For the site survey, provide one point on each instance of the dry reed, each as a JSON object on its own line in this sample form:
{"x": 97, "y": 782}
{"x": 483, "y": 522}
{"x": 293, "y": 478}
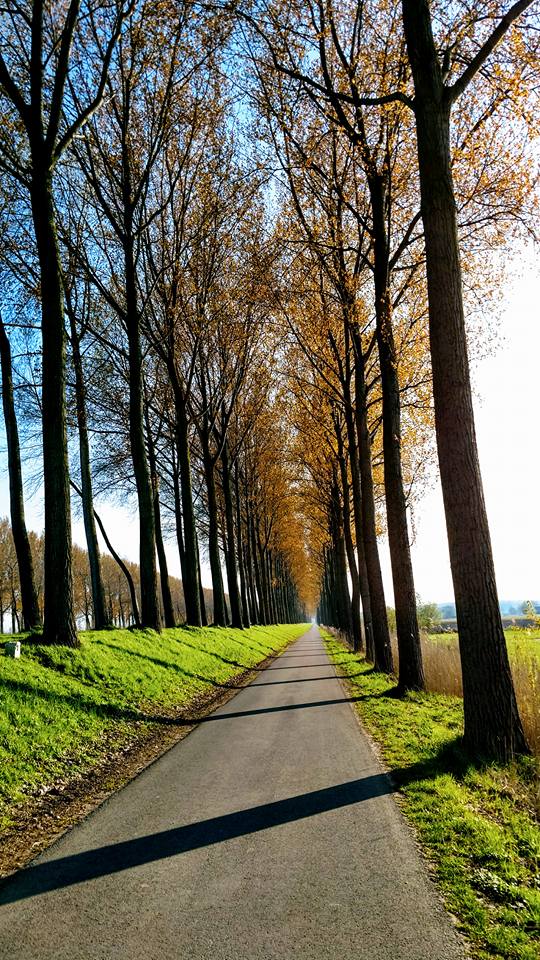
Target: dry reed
{"x": 443, "y": 675}
{"x": 442, "y": 668}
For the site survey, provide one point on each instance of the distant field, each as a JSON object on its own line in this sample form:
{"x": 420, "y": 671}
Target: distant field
{"x": 508, "y": 622}
{"x": 520, "y": 640}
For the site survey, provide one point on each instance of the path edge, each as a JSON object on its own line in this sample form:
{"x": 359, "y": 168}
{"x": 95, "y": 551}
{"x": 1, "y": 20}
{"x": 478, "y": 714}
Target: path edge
{"x": 41, "y": 821}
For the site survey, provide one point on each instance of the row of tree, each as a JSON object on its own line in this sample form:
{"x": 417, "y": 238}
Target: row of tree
{"x": 402, "y": 135}
{"x": 130, "y": 220}
{"x": 248, "y": 230}
{"x": 121, "y": 583}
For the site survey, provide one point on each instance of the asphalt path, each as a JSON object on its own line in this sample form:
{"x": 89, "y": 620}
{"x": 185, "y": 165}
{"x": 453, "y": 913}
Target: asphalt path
{"x": 269, "y": 832}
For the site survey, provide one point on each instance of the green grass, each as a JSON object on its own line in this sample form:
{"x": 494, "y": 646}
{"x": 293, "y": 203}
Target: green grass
{"x": 476, "y": 822}
{"x": 60, "y": 708}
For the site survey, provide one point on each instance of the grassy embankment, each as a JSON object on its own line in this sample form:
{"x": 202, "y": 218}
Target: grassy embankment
{"x": 477, "y": 823}
{"x": 61, "y": 709}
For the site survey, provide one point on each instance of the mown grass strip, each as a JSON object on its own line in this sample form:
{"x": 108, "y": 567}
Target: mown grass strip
{"x": 477, "y": 822}
{"x": 59, "y": 707}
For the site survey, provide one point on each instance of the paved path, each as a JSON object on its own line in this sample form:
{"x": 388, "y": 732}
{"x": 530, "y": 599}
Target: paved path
{"x": 270, "y": 832}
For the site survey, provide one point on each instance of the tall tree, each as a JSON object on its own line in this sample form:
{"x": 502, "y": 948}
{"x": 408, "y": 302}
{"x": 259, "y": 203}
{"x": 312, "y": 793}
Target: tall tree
{"x": 30, "y": 605}
{"x": 492, "y": 722}
{"x": 346, "y": 46}
{"x": 37, "y": 74}
{"x": 78, "y": 324}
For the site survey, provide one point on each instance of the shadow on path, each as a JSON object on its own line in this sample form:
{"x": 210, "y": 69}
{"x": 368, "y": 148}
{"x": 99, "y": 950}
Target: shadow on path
{"x": 274, "y": 683}
{"x": 113, "y": 858}
{"x": 300, "y": 656}
{"x": 307, "y": 666}
{"x": 279, "y": 709}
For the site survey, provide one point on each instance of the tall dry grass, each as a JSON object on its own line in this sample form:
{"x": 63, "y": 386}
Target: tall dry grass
{"x": 443, "y": 675}
{"x": 442, "y": 668}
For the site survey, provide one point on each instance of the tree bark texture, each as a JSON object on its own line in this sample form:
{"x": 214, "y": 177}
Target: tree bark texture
{"x": 411, "y": 672}
{"x": 343, "y": 603}
{"x": 166, "y": 597}
{"x": 357, "y": 638}
{"x": 240, "y": 549}
{"x": 29, "y": 598}
{"x": 232, "y": 575}
{"x": 101, "y": 618}
{"x": 59, "y": 619}
{"x": 150, "y": 615}
{"x": 352, "y": 443}
{"x": 190, "y": 571}
{"x": 381, "y": 634}
{"x": 492, "y": 723}
{"x": 220, "y": 610}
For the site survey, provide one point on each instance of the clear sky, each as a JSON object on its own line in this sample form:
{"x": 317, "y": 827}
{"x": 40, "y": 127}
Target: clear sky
{"x": 507, "y": 412}
{"x": 507, "y": 407}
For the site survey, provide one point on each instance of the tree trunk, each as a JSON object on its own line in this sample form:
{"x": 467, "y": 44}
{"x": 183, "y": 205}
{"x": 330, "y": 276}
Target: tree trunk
{"x": 251, "y": 578}
{"x": 411, "y": 672}
{"x": 168, "y": 611}
{"x": 190, "y": 570}
{"x": 267, "y": 556}
{"x": 202, "y": 601}
{"x": 357, "y": 638}
{"x": 150, "y": 616}
{"x": 352, "y": 443}
{"x": 59, "y": 620}
{"x": 381, "y": 634}
{"x": 29, "y": 598}
{"x": 220, "y": 610}
{"x": 87, "y": 620}
{"x": 343, "y": 603}
{"x": 263, "y": 609}
{"x": 101, "y": 620}
{"x": 13, "y": 610}
{"x": 492, "y": 723}
{"x": 263, "y": 570}
{"x": 121, "y": 564}
{"x": 230, "y": 554}
{"x": 240, "y": 549}
{"x": 178, "y": 525}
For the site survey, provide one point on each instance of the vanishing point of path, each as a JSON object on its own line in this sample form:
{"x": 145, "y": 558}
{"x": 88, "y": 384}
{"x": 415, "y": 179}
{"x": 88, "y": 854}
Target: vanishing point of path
{"x": 269, "y": 832}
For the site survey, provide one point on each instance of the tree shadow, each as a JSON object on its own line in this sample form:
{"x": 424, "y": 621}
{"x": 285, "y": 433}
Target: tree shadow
{"x": 300, "y": 656}
{"x": 306, "y": 666}
{"x": 282, "y": 708}
{"x": 274, "y": 683}
{"x": 112, "y": 711}
{"x": 44, "y": 877}
{"x": 170, "y": 666}
{"x": 118, "y": 712}
{"x": 212, "y": 653}
{"x": 249, "y": 646}
{"x": 451, "y": 757}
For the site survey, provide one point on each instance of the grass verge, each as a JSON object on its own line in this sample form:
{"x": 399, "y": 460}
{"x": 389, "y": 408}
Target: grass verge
{"x": 62, "y": 711}
{"x": 477, "y": 823}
